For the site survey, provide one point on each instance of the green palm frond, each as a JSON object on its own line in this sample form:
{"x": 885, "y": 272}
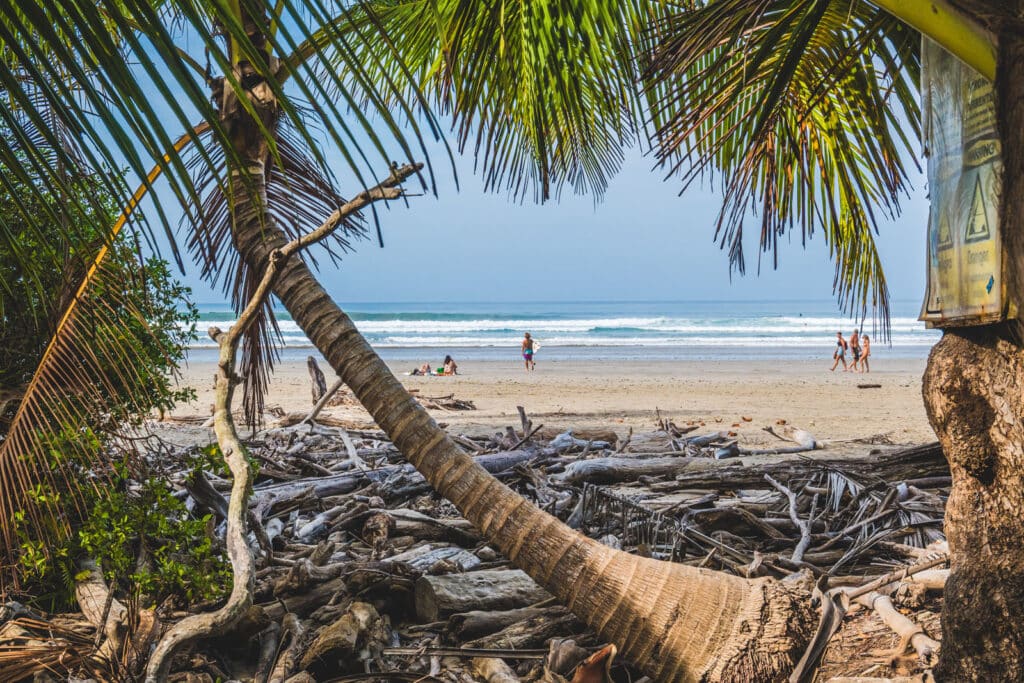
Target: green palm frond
{"x": 802, "y": 113}
{"x": 542, "y": 93}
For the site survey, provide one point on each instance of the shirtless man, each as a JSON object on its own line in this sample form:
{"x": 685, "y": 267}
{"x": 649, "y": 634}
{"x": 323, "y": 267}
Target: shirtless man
{"x": 528, "y": 352}
{"x": 855, "y": 350}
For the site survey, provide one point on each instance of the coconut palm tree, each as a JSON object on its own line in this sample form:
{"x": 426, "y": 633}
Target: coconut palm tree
{"x": 543, "y": 93}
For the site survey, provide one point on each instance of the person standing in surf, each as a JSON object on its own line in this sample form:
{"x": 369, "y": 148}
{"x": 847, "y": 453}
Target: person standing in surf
{"x": 528, "y": 352}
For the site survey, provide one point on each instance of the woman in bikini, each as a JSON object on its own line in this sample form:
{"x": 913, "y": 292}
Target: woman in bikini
{"x": 840, "y": 353}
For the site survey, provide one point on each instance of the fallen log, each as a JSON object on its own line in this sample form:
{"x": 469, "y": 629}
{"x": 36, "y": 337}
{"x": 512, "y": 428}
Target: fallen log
{"x": 267, "y": 496}
{"x": 493, "y": 670}
{"x": 617, "y": 469}
{"x": 477, "y": 623}
{"x": 439, "y": 596}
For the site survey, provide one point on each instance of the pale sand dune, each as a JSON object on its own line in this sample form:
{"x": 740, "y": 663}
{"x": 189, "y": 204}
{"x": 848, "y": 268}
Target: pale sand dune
{"x": 624, "y": 394}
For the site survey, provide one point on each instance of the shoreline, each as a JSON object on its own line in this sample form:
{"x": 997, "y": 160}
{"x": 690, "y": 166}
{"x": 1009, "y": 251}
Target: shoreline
{"x": 628, "y": 393}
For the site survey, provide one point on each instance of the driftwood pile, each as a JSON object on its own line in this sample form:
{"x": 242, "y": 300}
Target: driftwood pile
{"x": 365, "y": 574}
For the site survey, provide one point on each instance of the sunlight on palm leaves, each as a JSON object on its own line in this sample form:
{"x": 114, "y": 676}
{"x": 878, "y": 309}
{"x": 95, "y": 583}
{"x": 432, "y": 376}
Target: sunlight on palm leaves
{"x": 541, "y": 92}
{"x": 800, "y": 109}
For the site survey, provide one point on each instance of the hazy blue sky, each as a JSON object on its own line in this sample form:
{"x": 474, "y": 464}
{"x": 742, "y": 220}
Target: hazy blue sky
{"x": 643, "y": 242}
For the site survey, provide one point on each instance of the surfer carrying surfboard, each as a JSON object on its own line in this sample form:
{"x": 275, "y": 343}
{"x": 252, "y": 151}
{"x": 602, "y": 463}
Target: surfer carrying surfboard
{"x": 529, "y": 346}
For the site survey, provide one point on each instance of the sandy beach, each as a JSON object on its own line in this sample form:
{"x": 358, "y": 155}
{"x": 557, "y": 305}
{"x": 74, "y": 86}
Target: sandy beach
{"x": 626, "y": 394}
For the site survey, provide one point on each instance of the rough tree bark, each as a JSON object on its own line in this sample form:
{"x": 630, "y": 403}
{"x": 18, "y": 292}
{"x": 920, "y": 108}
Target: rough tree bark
{"x": 974, "y": 394}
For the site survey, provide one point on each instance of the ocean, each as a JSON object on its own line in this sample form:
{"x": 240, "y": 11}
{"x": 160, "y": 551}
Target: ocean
{"x": 655, "y": 330}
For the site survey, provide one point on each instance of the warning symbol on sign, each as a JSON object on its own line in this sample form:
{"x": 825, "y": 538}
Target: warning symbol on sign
{"x": 945, "y": 234}
{"x": 977, "y": 221}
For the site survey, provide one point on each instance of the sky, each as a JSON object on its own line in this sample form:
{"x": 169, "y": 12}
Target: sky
{"x": 643, "y": 242}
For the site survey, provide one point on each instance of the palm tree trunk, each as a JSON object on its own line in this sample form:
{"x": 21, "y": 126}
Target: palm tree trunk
{"x": 974, "y": 393}
{"x": 677, "y": 622}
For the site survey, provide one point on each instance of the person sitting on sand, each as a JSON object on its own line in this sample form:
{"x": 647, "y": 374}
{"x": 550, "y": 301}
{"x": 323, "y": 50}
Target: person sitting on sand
{"x": 840, "y": 353}
{"x": 865, "y": 354}
{"x": 528, "y": 352}
{"x": 855, "y": 350}
{"x": 450, "y": 368}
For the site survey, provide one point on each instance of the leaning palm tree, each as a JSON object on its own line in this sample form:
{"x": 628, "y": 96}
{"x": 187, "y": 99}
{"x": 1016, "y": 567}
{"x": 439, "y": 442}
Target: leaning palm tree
{"x": 543, "y": 93}
{"x": 257, "y": 146}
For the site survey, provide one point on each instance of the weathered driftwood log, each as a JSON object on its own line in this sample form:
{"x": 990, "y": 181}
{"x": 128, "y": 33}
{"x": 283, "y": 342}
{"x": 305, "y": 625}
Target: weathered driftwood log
{"x": 100, "y": 608}
{"x": 616, "y": 469}
{"x": 420, "y": 559}
{"x": 802, "y": 437}
{"x": 266, "y": 497}
{"x": 477, "y": 623}
{"x": 533, "y": 632}
{"x": 288, "y": 661}
{"x": 303, "y": 604}
{"x": 895, "y": 466}
{"x": 910, "y": 632}
{"x": 336, "y": 647}
{"x": 440, "y": 596}
{"x": 317, "y": 380}
{"x": 549, "y": 433}
{"x": 492, "y": 670}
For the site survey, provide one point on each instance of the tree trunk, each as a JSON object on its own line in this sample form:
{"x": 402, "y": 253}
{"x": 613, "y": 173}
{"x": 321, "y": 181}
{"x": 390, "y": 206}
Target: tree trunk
{"x": 677, "y": 622}
{"x": 974, "y": 394}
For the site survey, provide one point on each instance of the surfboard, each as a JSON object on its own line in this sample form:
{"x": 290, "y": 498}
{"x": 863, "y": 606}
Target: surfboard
{"x": 536, "y": 346}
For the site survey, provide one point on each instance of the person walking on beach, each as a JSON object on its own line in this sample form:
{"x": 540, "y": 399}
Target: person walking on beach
{"x": 840, "y": 353}
{"x": 528, "y": 352}
{"x": 855, "y": 350}
{"x": 865, "y": 354}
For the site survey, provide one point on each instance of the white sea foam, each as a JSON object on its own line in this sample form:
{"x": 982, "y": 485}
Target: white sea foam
{"x": 705, "y": 326}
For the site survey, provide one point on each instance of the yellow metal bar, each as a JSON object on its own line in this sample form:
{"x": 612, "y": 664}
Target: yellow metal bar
{"x": 963, "y": 38}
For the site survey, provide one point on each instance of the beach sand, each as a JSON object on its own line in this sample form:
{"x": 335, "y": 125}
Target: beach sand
{"x": 620, "y": 395}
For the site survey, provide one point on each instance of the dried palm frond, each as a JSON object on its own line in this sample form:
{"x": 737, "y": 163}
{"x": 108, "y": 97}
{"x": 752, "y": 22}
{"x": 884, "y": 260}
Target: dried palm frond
{"x": 31, "y": 646}
{"x": 299, "y": 195}
{"x": 89, "y": 364}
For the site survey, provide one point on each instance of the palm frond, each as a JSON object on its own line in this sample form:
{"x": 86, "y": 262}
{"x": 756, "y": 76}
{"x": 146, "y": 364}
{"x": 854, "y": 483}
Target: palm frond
{"x": 542, "y": 93}
{"x": 298, "y": 197}
{"x": 88, "y": 361}
{"x": 113, "y": 77}
{"x": 802, "y": 113}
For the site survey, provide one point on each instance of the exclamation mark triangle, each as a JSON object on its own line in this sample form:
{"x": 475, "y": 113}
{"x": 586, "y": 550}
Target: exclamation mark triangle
{"x": 945, "y": 234}
{"x": 977, "y": 221}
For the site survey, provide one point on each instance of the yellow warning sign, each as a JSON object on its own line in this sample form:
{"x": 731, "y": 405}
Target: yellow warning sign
{"x": 977, "y": 221}
{"x": 965, "y": 278}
